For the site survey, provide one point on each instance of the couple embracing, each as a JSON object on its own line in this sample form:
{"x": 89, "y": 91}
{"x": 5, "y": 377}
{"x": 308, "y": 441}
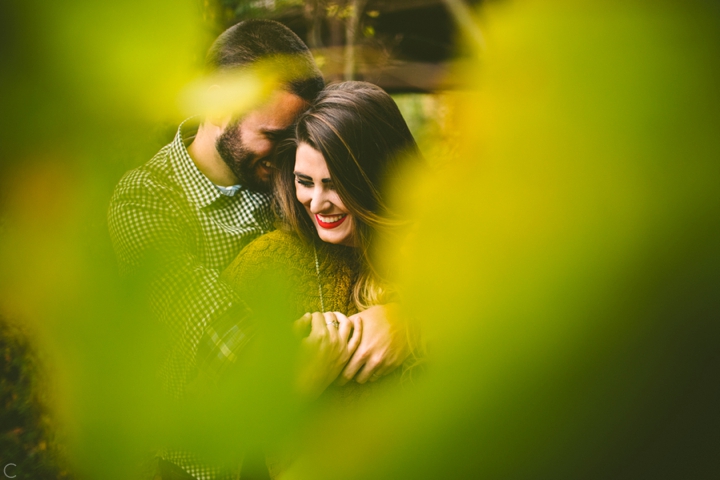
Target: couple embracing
{"x": 296, "y": 186}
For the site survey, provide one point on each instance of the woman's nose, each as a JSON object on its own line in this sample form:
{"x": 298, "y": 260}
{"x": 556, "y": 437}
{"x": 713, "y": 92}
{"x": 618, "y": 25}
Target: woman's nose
{"x": 319, "y": 200}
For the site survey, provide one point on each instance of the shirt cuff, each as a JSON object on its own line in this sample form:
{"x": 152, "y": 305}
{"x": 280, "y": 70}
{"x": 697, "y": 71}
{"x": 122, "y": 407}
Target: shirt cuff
{"x": 224, "y": 340}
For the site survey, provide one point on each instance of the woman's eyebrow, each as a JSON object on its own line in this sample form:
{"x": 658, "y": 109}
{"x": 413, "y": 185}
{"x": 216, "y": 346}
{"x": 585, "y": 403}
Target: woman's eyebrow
{"x": 302, "y": 175}
{"x": 308, "y": 177}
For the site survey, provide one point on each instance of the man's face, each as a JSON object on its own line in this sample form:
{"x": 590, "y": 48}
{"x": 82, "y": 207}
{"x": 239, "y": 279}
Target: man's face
{"x": 246, "y": 145}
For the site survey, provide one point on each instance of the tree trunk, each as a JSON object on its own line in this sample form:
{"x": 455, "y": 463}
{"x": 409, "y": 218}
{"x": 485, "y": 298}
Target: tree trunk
{"x": 351, "y": 24}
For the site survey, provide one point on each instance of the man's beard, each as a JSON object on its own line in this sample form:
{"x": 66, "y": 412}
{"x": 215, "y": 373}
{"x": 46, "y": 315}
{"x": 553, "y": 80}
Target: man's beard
{"x": 239, "y": 158}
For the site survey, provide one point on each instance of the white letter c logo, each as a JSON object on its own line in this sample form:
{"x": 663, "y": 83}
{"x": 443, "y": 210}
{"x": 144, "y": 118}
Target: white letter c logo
{"x": 5, "y": 470}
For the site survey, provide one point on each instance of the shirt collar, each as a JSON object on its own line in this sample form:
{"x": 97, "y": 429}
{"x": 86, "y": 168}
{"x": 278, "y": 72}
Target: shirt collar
{"x": 198, "y": 188}
{"x": 229, "y": 191}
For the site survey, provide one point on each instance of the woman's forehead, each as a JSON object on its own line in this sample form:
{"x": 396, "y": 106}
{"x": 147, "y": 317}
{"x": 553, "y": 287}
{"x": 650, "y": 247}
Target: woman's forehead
{"x": 311, "y": 162}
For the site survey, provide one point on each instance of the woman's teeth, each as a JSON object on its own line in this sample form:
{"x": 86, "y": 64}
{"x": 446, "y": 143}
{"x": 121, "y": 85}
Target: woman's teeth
{"x": 331, "y": 218}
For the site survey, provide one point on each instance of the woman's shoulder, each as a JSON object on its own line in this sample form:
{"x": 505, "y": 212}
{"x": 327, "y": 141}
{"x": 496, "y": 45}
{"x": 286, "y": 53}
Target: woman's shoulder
{"x": 271, "y": 250}
{"x": 272, "y": 243}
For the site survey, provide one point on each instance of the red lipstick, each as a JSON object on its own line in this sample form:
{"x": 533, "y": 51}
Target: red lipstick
{"x": 331, "y": 225}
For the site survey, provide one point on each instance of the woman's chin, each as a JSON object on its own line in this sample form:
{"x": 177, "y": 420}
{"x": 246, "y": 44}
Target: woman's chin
{"x": 330, "y": 239}
{"x": 335, "y": 239}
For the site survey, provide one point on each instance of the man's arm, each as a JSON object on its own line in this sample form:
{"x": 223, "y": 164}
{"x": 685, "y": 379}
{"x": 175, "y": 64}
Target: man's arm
{"x": 153, "y": 239}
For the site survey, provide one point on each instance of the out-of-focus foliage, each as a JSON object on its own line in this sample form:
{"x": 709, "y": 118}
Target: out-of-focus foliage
{"x": 88, "y": 87}
{"x": 27, "y": 432}
{"x": 432, "y": 121}
{"x": 564, "y": 267}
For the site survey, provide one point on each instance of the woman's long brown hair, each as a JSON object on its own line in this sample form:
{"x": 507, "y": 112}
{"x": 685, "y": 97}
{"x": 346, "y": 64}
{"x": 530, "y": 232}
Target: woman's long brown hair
{"x": 366, "y": 143}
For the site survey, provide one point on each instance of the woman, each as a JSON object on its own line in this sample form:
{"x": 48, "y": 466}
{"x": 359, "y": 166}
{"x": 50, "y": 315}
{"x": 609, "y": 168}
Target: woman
{"x": 332, "y": 196}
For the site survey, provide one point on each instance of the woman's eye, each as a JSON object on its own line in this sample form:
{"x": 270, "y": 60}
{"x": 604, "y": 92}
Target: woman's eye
{"x": 304, "y": 183}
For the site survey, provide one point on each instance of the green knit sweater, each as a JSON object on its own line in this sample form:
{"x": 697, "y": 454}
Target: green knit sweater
{"x": 279, "y": 266}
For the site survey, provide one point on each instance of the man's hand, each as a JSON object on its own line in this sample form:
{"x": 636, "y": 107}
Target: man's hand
{"x": 383, "y": 346}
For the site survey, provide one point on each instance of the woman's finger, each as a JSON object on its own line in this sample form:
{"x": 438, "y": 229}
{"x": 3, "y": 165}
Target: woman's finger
{"x": 345, "y": 327}
{"x": 301, "y": 326}
{"x": 356, "y": 333}
{"x": 332, "y": 324}
{"x": 367, "y": 371}
{"x": 380, "y": 371}
{"x": 319, "y": 329}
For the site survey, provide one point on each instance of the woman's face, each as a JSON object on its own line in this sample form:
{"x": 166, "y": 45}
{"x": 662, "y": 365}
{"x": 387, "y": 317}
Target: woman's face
{"x": 315, "y": 190}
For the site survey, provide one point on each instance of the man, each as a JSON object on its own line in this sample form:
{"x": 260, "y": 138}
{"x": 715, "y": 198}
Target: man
{"x": 179, "y": 220}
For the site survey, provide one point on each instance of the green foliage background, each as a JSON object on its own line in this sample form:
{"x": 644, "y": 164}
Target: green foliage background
{"x": 564, "y": 268}
{"x": 29, "y": 434}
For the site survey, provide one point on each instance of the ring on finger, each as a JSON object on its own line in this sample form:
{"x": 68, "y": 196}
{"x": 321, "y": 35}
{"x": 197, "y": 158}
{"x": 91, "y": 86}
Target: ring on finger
{"x": 334, "y": 323}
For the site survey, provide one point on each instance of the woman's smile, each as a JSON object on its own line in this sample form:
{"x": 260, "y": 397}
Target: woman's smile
{"x": 330, "y": 221}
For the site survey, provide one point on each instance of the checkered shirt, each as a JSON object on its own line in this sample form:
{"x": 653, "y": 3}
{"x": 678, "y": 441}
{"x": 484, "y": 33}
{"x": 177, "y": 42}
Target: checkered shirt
{"x": 173, "y": 228}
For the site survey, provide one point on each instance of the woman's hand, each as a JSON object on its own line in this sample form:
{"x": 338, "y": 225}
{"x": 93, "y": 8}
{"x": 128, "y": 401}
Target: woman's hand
{"x": 384, "y": 346}
{"x": 324, "y": 353}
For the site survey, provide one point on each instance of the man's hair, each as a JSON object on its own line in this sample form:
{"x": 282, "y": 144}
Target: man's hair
{"x": 251, "y": 41}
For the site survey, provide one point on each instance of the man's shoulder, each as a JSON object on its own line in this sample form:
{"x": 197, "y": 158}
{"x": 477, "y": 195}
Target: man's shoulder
{"x": 157, "y": 171}
{"x": 153, "y": 178}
